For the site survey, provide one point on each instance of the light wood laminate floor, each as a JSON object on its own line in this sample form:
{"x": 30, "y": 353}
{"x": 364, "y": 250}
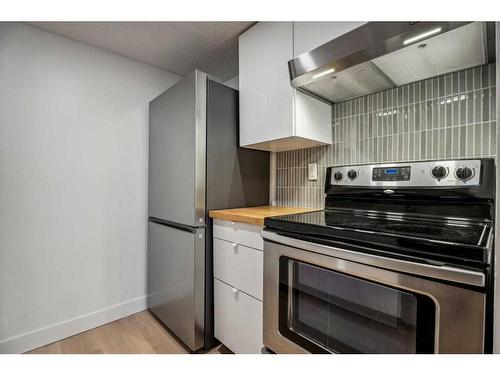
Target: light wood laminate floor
{"x": 140, "y": 333}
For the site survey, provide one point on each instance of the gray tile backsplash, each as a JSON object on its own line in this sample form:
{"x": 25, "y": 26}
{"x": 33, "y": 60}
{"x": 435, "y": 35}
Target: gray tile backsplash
{"x": 450, "y": 116}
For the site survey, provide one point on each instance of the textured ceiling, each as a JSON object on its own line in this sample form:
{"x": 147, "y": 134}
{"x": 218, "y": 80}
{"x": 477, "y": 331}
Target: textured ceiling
{"x": 178, "y": 47}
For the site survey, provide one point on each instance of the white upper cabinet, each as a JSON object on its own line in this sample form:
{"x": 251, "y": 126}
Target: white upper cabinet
{"x": 274, "y": 116}
{"x": 309, "y": 35}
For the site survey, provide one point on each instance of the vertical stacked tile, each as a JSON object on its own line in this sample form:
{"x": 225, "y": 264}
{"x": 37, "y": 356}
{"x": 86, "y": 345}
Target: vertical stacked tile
{"x": 452, "y": 116}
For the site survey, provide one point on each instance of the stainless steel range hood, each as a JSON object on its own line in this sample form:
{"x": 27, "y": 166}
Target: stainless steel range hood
{"x": 381, "y": 55}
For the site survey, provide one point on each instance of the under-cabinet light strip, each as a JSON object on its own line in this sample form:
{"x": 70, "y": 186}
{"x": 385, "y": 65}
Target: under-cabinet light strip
{"x": 422, "y": 36}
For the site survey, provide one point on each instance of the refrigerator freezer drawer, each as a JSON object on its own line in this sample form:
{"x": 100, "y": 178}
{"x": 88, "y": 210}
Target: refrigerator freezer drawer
{"x": 176, "y": 285}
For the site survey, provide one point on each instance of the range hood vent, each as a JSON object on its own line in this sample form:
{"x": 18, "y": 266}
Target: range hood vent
{"x": 382, "y": 55}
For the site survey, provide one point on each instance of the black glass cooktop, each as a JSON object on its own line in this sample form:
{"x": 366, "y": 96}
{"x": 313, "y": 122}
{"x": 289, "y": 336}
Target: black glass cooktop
{"x": 438, "y": 240}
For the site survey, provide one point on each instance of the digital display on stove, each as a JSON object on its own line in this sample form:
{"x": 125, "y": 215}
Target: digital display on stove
{"x": 391, "y": 174}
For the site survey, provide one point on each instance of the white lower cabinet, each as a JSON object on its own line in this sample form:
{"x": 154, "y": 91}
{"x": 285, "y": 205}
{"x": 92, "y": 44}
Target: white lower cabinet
{"x": 239, "y": 266}
{"x": 238, "y": 319}
{"x": 241, "y": 233}
{"x": 238, "y": 289}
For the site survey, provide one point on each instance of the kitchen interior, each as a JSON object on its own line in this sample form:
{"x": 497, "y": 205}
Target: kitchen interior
{"x": 306, "y": 187}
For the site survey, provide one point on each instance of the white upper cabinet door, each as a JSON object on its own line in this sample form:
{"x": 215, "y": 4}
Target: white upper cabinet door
{"x": 266, "y": 97}
{"x": 273, "y": 116}
{"x": 313, "y": 119}
{"x": 309, "y": 35}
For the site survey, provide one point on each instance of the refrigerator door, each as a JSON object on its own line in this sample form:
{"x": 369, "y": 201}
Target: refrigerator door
{"x": 176, "y": 279}
{"x": 177, "y": 152}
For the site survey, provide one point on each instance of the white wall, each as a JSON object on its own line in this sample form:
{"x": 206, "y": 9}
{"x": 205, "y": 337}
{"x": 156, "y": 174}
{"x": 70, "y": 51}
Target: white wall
{"x": 73, "y": 185}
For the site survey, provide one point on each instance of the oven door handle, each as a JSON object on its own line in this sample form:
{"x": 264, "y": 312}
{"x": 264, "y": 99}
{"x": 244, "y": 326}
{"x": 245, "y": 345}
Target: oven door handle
{"x": 453, "y": 274}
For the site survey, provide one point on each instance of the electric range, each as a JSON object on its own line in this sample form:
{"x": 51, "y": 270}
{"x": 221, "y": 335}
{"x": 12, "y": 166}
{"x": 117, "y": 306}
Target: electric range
{"x": 412, "y": 230}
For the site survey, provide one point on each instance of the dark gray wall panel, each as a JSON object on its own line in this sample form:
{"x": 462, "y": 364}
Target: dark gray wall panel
{"x": 236, "y": 177}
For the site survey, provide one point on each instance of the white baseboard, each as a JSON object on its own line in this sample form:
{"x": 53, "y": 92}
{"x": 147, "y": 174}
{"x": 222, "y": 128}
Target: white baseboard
{"x": 59, "y": 331}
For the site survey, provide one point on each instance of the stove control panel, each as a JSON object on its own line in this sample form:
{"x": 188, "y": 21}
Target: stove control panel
{"x": 391, "y": 174}
{"x": 457, "y": 173}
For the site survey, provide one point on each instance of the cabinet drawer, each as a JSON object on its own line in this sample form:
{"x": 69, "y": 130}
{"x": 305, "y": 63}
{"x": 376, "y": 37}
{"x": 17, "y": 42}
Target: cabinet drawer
{"x": 241, "y": 233}
{"x": 238, "y": 319}
{"x": 239, "y": 266}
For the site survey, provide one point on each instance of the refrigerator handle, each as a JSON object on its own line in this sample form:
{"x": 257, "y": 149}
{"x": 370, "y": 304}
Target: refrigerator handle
{"x": 167, "y": 223}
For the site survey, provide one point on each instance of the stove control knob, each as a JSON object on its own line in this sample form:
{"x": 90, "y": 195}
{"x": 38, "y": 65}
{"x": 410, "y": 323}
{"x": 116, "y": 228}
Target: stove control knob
{"x": 338, "y": 176}
{"x": 352, "y": 174}
{"x": 439, "y": 172}
{"x": 464, "y": 173}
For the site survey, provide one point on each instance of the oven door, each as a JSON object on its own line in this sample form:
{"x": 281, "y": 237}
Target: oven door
{"x": 318, "y": 303}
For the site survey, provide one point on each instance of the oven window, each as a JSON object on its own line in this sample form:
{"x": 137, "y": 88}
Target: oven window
{"x": 327, "y": 311}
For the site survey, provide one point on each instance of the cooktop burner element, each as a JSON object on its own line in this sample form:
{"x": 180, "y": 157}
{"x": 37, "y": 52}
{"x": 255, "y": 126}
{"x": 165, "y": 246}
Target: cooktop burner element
{"x": 451, "y": 231}
{"x": 426, "y": 212}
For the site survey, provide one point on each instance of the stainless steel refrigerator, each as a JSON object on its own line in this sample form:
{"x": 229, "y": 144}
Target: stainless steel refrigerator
{"x": 195, "y": 165}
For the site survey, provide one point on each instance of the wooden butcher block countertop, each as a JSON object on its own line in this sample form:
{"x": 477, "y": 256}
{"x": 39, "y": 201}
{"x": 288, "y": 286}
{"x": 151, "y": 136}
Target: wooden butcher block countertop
{"x": 256, "y": 215}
